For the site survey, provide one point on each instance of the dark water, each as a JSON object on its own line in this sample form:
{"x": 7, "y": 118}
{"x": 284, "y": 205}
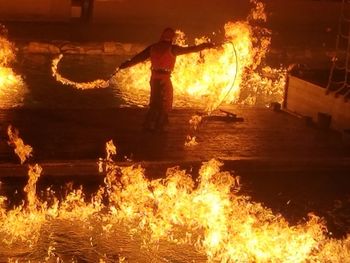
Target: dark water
{"x": 46, "y": 92}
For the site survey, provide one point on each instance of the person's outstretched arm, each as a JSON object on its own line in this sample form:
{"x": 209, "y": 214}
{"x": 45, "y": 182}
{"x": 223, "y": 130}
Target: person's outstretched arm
{"x": 178, "y": 50}
{"x": 140, "y": 57}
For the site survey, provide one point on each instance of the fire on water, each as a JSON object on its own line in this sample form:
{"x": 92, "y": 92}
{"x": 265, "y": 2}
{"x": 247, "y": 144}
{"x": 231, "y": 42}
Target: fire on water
{"x": 12, "y": 87}
{"x": 231, "y": 73}
{"x": 207, "y": 216}
{"x": 213, "y": 76}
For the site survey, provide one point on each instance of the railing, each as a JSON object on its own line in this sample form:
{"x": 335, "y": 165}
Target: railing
{"x": 339, "y": 77}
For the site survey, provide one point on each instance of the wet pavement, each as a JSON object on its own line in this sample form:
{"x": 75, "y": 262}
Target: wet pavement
{"x": 81, "y": 134}
{"x": 65, "y": 124}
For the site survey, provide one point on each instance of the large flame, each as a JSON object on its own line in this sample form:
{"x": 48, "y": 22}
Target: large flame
{"x": 22, "y": 150}
{"x": 232, "y": 73}
{"x": 200, "y": 79}
{"x": 207, "y": 215}
{"x": 211, "y": 77}
{"x": 12, "y": 87}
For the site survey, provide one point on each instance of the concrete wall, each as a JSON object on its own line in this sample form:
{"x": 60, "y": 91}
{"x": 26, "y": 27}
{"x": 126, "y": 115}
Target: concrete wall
{"x": 301, "y": 23}
{"x": 35, "y": 10}
{"x": 294, "y": 13}
{"x": 307, "y": 99}
{"x": 298, "y": 11}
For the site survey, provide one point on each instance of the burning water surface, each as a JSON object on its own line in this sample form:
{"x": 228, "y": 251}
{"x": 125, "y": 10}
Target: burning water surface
{"x": 12, "y": 87}
{"x": 233, "y": 72}
{"x": 207, "y": 79}
{"x": 173, "y": 219}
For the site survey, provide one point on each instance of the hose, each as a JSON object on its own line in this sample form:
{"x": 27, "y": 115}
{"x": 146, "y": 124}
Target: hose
{"x": 234, "y": 78}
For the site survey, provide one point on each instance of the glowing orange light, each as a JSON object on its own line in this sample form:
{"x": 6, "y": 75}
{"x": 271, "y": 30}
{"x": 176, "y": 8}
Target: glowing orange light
{"x": 211, "y": 77}
{"x": 12, "y": 87}
{"x": 206, "y": 215}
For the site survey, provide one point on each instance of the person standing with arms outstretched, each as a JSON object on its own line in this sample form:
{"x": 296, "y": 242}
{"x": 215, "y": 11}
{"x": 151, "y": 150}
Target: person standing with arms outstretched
{"x": 163, "y": 58}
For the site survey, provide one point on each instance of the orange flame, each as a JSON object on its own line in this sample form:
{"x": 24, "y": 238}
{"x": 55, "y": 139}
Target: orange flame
{"x": 195, "y": 121}
{"x": 98, "y": 83}
{"x": 208, "y": 78}
{"x": 191, "y": 141}
{"x": 216, "y": 76}
{"x": 211, "y": 77}
{"x": 199, "y": 79}
{"x": 208, "y": 216}
{"x": 22, "y": 150}
{"x": 110, "y": 150}
{"x": 257, "y": 13}
{"x": 12, "y": 87}
{"x": 34, "y": 174}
